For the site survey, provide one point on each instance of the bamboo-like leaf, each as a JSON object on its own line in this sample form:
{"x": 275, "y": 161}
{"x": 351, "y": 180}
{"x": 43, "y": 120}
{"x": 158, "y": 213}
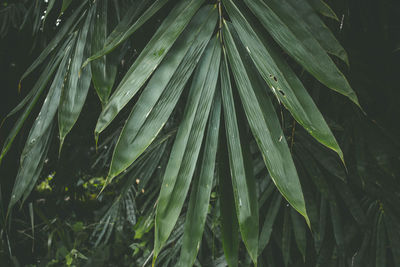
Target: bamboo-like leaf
{"x": 323, "y": 8}
{"x": 282, "y": 80}
{"x": 242, "y": 177}
{"x": 74, "y": 93}
{"x": 148, "y": 60}
{"x": 104, "y": 70}
{"x": 187, "y": 144}
{"x": 309, "y": 20}
{"x": 229, "y": 221}
{"x": 299, "y": 43}
{"x": 37, "y": 143}
{"x": 299, "y": 229}
{"x": 265, "y": 127}
{"x": 267, "y": 227}
{"x": 161, "y": 94}
{"x": 201, "y": 190}
{"x": 31, "y": 164}
{"x": 38, "y": 88}
{"x": 65, "y": 29}
{"x": 123, "y": 30}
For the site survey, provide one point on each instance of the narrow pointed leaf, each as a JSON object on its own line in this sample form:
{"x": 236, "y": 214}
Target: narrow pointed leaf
{"x": 265, "y": 127}
{"x": 124, "y": 29}
{"x": 65, "y": 29}
{"x": 38, "y": 88}
{"x": 104, "y": 70}
{"x": 242, "y": 177}
{"x": 187, "y": 144}
{"x": 148, "y": 60}
{"x": 229, "y": 221}
{"x": 160, "y": 96}
{"x": 323, "y": 8}
{"x": 31, "y": 164}
{"x": 299, "y": 43}
{"x": 37, "y": 143}
{"x": 282, "y": 80}
{"x": 201, "y": 190}
{"x": 75, "y": 91}
{"x": 310, "y": 21}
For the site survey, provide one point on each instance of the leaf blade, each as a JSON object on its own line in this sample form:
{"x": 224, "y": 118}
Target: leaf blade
{"x": 148, "y": 60}
{"x": 163, "y": 91}
{"x": 242, "y": 177}
{"x": 186, "y": 147}
{"x": 301, "y": 45}
{"x": 265, "y": 128}
{"x": 285, "y": 84}
{"x": 200, "y": 195}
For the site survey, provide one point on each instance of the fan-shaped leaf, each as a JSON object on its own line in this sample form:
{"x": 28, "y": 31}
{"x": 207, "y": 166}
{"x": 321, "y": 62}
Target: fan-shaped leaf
{"x": 185, "y": 150}
{"x": 161, "y": 94}
{"x": 201, "y": 190}
{"x": 282, "y": 80}
{"x": 241, "y": 169}
{"x": 148, "y": 60}
{"x": 297, "y": 41}
{"x": 123, "y": 30}
{"x": 265, "y": 126}
{"x": 229, "y": 221}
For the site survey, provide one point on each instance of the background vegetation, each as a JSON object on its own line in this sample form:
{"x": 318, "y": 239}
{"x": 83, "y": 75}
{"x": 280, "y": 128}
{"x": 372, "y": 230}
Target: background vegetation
{"x": 52, "y": 212}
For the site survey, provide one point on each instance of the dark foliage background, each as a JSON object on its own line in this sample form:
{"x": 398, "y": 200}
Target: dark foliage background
{"x": 62, "y": 219}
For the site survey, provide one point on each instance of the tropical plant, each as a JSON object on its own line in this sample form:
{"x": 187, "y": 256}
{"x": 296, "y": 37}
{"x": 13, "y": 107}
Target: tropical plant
{"x": 216, "y": 98}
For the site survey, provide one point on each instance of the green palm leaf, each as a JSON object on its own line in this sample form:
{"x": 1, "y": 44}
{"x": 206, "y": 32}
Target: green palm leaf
{"x": 201, "y": 190}
{"x": 265, "y": 127}
{"x": 241, "y": 169}
{"x": 185, "y": 150}
{"x": 160, "y": 96}
{"x": 282, "y": 80}
{"x": 148, "y": 60}
{"x": 75, "y": 91}
{"x": 300, "y": 44}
